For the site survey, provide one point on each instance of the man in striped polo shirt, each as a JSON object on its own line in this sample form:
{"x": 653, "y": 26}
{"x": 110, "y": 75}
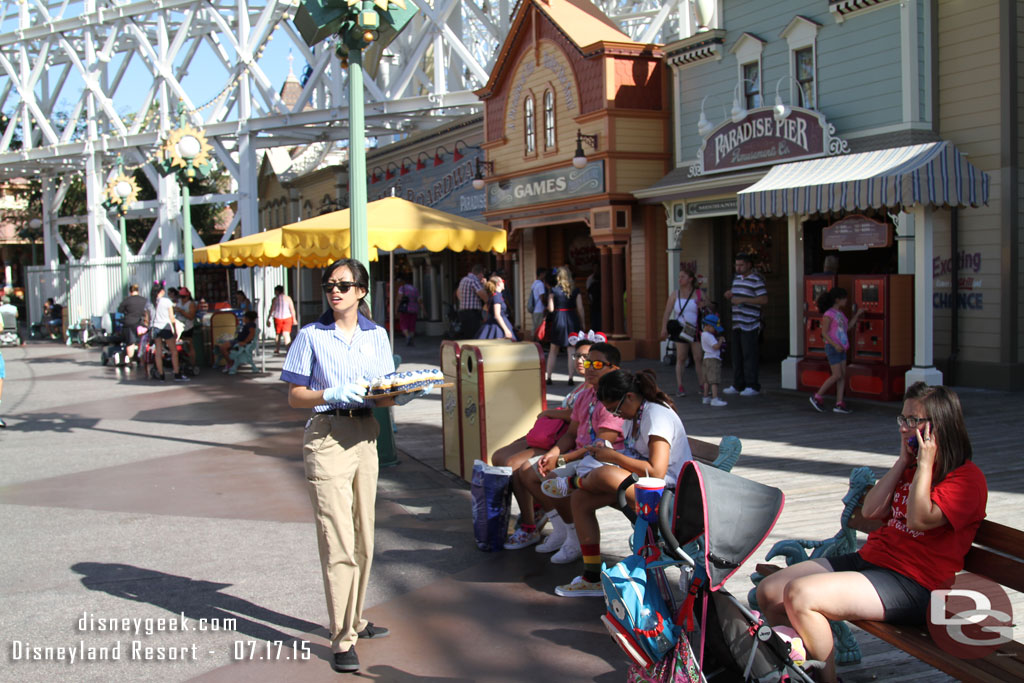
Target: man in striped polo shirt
{"x": 472, "y": 297}
{"x": 748, "y": 295}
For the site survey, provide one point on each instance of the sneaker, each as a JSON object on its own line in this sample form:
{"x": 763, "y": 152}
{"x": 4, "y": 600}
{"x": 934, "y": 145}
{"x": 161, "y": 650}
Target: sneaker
{"x": 553, "y": 541}
{"x": 818, "y": 405}
{"x": 542, "y": 516}
{"x": 225, "y": 369}
{"x": 521, "y": 539}
{"x": 346, "y": 662}
{"x": 841, "y": 408}
{"x": 557, "y": 487}
{"x": 750, "y": 391}
{"x": 717, "y": 403}
{"x": 578, "y": 588}
{"x": 680, "y": 392}
{"x": 730, "y": 390}
{"x": 570, "y": 550}
{"x": 570, "y": 382}
{"x": 152, "y": 373}
{"x": 706, "y": 400}
{"x": 181, "y": 377}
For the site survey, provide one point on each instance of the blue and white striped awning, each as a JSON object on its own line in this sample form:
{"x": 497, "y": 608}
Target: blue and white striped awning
{"x": 934, "y": 174}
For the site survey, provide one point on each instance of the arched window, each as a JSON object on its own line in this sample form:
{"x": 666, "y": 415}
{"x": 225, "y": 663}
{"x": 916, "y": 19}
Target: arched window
{"x": 549, "y": 119}
{"x": 530, "y": 128}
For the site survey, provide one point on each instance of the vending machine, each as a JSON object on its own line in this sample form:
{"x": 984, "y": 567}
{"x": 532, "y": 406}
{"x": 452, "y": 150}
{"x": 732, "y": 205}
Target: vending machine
{"x": 881, "y": 344}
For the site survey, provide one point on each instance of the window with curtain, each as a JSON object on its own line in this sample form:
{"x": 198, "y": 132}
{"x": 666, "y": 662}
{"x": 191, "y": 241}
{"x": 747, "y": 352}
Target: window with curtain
{"x": 803, "y": 64}
{"x": 549, "y": 119}
{"x": 530, "y": 127}
{"x": 752, "y": 85}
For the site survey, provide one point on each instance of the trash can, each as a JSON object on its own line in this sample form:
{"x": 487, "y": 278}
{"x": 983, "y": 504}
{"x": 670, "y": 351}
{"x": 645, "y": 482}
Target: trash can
{"x": 223, "y": 327}
{"x": 451, "y": 411}
{"x": 501, "y": 390}
{"x": 387, "y": 452}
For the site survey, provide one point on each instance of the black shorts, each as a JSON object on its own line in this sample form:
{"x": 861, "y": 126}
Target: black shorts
{"x": 164, "y": 333}
{"x": 131, "y": 336}
{"x": 187, "y": 334}
{"x": 905, "y": 601}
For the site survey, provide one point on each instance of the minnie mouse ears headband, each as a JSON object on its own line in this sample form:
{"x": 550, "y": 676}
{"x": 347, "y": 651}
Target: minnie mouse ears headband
{"x": 591, "y": 336}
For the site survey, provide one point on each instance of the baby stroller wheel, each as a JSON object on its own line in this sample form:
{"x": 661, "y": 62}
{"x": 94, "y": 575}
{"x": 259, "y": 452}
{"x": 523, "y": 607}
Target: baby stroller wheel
{"x": 194, "y": 370}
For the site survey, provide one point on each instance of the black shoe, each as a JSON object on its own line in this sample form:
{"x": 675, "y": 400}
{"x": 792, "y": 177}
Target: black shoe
{"x": 570, "y": 382}
{"x": 372, "y": 631}
{"x": 346, "y": 662}
{"x": 181, "y": 377}
{"x": 550, "y": 382}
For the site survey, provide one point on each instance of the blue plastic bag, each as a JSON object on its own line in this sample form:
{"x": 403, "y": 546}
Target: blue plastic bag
{"x": 491, "y": 488}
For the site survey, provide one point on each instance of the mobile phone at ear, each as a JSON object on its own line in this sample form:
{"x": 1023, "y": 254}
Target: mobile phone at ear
{"x": 912, "y": 444}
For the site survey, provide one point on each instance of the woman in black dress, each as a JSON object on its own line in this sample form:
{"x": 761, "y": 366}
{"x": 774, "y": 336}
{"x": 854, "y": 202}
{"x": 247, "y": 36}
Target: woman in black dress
{"x": 565, "y": 315}
{"x": 496, "y": 323}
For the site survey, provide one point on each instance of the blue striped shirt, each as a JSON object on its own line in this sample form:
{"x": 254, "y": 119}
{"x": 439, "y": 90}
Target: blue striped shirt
{"x": 747, "y": 316}
{"x": 321, "y": 358}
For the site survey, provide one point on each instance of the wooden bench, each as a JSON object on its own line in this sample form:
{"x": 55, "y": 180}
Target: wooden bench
{"x": 997, "y": 554}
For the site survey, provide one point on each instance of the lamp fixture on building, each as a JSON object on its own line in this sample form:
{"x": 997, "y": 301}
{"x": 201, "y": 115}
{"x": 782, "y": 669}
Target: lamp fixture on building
{"x": 419, "y": 161}
{"x": 457, "y": 155}
{"x": 437, "y": 155}
{"x": 478, "y": 177}
{"x": 388, "y": 173}
{"x": 703, "y": 125}
{"x": 739, "y": 111}
{"x": 405, "y": 169}
{"x": 373, "y": 174}
{"x": 579, "y": 160}
{"x": 782, "y": 110}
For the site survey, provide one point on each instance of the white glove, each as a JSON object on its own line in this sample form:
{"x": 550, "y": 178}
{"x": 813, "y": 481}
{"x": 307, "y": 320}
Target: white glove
{"x": 352, "y": 392}
{"x": 402, "y": 399}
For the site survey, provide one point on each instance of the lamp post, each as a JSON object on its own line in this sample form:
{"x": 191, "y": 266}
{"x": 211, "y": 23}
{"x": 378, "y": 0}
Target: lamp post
{"x": 121, "y": 191}
{"x": 34, "y": 224}
{"x": 187, "y": 153}
{"x": 358, "y": 25}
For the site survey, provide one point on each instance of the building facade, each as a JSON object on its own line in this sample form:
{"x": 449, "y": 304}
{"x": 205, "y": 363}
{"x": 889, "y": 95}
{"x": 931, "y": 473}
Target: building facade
{"x": 811, "y": 133}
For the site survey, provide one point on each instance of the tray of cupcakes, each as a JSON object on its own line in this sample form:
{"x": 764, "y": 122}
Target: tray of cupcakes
{"x": 398, "y": 383}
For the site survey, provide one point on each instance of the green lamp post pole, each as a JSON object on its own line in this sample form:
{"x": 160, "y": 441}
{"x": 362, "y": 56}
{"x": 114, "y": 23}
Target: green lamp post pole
{"x": 186, "y": 214}
{"x": 122, "y": 228}
{"x": 359, "y": 236}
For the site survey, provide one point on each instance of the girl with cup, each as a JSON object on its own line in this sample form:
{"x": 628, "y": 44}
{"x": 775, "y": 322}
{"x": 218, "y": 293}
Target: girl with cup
{"x": 655, "y": 446}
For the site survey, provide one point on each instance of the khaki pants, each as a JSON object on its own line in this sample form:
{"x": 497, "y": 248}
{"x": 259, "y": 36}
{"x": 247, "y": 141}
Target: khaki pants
{"x": 340, "y": 456}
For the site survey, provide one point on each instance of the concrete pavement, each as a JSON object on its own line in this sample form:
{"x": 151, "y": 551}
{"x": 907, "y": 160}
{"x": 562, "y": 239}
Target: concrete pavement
{"x": 127, "y": 502}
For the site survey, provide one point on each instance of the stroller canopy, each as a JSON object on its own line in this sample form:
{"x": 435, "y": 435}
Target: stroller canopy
{"x": 734, "y": 514}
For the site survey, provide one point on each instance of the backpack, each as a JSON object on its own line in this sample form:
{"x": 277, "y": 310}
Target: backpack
{"x": 638, "y": 618}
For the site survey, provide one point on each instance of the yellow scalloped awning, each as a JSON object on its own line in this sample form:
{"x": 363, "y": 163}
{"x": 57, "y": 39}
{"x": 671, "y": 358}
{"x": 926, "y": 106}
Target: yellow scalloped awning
{"x": 394, "y": 223}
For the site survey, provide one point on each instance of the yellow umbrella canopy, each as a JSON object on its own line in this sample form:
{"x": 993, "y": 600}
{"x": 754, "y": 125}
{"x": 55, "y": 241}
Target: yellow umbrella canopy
{"x": 265, "y": 249}
{"x": 394, "y": 223}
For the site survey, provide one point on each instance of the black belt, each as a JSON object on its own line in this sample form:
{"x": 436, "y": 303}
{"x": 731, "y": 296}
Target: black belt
{"x": 349, "y": 412}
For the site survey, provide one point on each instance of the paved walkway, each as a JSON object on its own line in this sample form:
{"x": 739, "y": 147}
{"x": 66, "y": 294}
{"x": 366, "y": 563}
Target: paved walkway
{"x": 126, "y": 499}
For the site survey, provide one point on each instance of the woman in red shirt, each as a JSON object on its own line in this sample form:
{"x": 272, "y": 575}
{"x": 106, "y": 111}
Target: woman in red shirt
{"x": 932, "y": 501}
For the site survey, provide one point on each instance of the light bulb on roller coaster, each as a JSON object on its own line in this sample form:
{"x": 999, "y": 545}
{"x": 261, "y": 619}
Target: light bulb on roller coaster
{"x": 369, "y": 36}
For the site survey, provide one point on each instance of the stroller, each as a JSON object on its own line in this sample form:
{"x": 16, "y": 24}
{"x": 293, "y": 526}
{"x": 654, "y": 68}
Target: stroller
{"x": 454, "y": 330}
{"x": 712, "y": 637}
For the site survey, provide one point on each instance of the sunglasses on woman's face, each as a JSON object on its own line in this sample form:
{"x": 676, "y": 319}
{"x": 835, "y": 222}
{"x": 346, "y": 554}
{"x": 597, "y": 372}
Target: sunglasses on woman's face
{"x": 342, "y": 286}
{"x": 618, "y": 407}
{"x": 597, "y": 364}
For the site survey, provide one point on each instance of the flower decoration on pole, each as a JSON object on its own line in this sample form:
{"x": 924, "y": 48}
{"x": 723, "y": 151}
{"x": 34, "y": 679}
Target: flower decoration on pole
{"x": 186, "y": 153}
{"x": 121, "y": 191}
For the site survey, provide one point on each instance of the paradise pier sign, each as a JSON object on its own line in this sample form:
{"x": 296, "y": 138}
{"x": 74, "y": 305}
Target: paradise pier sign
{"x": 761, "y": 138}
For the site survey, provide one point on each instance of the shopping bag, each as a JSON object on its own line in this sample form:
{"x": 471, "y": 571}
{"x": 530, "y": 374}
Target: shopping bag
{"x": 491, "y": 490}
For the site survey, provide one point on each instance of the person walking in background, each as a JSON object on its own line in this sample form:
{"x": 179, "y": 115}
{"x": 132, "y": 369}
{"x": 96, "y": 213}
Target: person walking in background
{"x": 835, "y": 329}
{"x": 496, "y": 323}
{"x": 565, "y": 316}
{"x": 409, "y": 304}
{"x": 133, "y": 307}
{"x": 748, "y": 294}
{"x": 163, "y": 333}
{"x": 536, "y": 305}
{"x": 3, "y": 373}
{"x": 472, "y": 297}
{"x": 681, "y": 324}
{"x": 282, "y": 318}
{"x": 711, "y": 340}
{"x": 185, "y": 312}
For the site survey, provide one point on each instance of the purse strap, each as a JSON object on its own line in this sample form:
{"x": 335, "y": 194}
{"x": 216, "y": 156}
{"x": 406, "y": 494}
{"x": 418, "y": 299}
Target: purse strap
{"x": 685, "y": 303}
